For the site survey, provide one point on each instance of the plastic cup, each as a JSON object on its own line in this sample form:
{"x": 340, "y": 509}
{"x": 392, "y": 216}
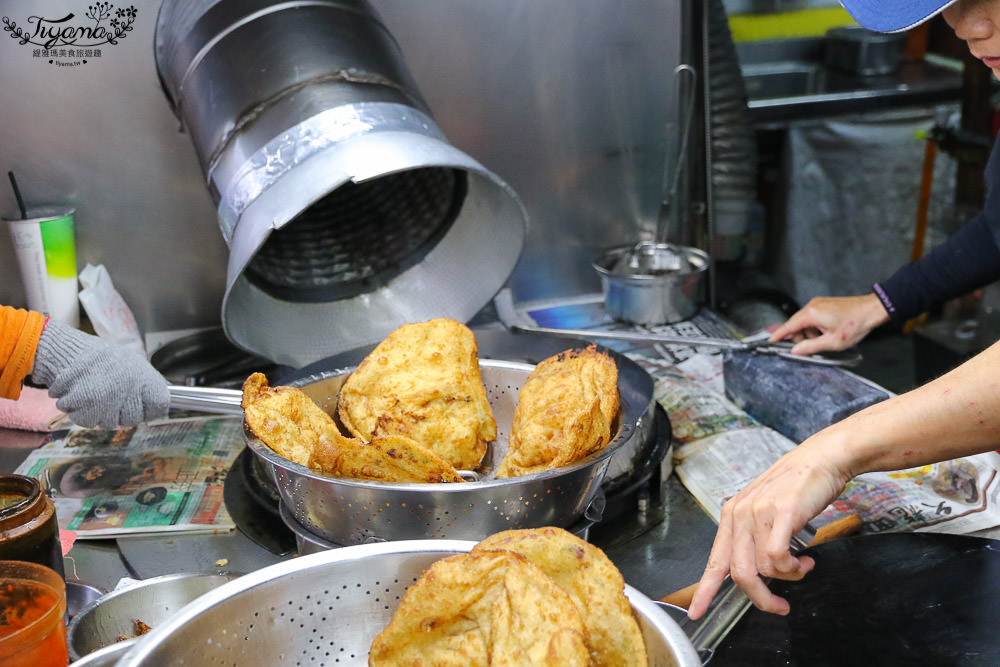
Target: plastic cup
{"x": 46, "y": 253}
{"x": 32, "y": 616}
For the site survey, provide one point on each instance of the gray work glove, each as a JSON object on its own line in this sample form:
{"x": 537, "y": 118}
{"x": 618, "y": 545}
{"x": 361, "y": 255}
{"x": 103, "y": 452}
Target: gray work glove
{"x": 98, "y": 383}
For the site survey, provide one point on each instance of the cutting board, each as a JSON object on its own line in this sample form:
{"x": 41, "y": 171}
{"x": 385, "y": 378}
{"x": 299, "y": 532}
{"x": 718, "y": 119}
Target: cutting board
{"x": 900, "y": 599}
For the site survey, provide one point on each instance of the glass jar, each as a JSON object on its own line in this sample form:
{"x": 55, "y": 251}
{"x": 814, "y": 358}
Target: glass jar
{"x": 32, "y": 616}
{"x": 28, "y": 527}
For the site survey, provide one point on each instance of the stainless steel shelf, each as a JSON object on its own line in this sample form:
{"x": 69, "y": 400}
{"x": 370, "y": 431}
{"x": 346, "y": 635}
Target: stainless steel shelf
{"x": 787, "y": 80}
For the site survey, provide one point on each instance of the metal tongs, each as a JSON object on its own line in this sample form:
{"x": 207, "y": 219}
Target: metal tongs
{"x": 729, "y": 606}
{"x": 757, "y": 343}
{"x": 216, "y": 400}
{"x": 223, "y": 401}
{"x": 731, "y": 602}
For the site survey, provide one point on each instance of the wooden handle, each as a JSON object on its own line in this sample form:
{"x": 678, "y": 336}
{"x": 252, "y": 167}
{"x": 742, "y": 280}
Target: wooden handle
{"x": 831, "y": 531}
{"x": 681, "y": 598}
{"x": 841, "y": 527}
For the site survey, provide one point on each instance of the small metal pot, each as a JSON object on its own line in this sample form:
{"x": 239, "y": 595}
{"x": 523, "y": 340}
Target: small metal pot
{"x": 151, "y": 601}
{"x": 652, "y": 283}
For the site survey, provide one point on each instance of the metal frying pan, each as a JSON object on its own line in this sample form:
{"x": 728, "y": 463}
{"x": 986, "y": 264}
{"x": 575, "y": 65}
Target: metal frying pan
{"x": 207, "y": 358}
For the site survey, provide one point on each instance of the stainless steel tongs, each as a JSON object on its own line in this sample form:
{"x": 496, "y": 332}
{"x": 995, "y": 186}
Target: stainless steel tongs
{"x": 757, "y": 343}
{"x": 216, "y": 400}
{"x": 731, "y": 602}
{"x": 223, "y": 401}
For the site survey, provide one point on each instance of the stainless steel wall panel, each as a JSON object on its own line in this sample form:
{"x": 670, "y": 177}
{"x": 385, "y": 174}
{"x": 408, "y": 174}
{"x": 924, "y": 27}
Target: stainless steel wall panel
{"x": 569, "y": 101}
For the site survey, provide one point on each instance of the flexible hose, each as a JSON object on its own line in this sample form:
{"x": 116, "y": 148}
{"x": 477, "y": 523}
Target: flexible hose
{"x": 731, "y": 139}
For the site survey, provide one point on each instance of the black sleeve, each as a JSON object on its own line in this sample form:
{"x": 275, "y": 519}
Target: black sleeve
{"x": 968, "y": 260}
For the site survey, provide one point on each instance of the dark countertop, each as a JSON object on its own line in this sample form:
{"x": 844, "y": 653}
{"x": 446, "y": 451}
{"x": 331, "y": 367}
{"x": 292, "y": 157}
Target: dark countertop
{"x": 671, "y": 555}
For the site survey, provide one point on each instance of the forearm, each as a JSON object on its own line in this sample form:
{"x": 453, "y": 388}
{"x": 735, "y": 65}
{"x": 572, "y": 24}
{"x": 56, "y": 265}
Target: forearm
{"x": 956, "y": 415}
{"x": 872, "y": 311}
{"x": 19, "y": 334}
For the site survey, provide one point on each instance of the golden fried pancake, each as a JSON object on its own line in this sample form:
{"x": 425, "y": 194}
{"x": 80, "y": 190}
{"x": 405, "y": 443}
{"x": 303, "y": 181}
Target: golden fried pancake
{"x": 423, "y": 381}
{"x": 387, "y": 458}
{"x": 593, "y": 583}
{"x": 290, "y": 423}
{"x": 564, "y": 412}
{"x": 483, "y": 608}
{"x": 283, "y": 418}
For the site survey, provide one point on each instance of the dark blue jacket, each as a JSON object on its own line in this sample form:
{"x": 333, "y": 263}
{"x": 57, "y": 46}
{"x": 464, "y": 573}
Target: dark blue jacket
{"x": 968, "y": 260}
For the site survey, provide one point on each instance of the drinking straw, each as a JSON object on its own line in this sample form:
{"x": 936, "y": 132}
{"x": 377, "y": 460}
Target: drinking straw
{"x": 17, "y": 195}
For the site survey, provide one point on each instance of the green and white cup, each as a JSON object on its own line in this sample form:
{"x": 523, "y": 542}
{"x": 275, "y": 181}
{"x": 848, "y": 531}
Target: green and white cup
{"x": 46, "y": 253}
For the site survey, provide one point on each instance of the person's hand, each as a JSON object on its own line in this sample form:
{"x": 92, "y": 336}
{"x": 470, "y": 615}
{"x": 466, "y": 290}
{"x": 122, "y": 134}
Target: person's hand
{"x": 97, "y": 382}
{"x": 832, "y": 323}
{"x": 757, "y": 524}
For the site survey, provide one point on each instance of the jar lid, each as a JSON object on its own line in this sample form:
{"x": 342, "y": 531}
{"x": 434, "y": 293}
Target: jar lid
{"x": 17, "y": 493}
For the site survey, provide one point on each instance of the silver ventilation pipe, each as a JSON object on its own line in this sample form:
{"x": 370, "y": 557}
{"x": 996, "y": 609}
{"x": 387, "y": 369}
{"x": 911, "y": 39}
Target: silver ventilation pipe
{"x": 346, "y": 211}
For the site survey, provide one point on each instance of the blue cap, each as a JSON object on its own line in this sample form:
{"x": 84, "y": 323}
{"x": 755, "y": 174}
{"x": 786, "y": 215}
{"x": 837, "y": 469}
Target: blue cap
{"x": 893, "y": 15}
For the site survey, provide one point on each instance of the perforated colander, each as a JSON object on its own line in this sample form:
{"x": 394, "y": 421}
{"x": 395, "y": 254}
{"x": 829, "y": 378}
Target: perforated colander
{"x": 326, "y": 608}
{"x": 346, "y": 511}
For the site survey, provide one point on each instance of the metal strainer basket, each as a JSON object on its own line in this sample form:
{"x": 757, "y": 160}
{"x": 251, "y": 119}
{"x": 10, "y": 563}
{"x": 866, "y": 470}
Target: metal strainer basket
{"x": 346, "y": 511}
{"x": 326, "y": 608}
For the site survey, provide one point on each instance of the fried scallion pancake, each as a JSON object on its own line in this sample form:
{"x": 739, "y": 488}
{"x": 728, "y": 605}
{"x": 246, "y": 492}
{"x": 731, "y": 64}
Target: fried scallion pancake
{"x": 290, "y": 423}
{"x": 283, "y": 418}
{"x": 423, "y": 382}
{"x": 564, "y": 412}
{"x": 593, "y": 583}
{"x": 483, "y": 608}
{"x": 387, "y": 458}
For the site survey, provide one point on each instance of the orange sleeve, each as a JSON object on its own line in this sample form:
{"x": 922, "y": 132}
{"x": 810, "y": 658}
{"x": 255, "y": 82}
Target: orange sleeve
{"x": 19, "y": 333}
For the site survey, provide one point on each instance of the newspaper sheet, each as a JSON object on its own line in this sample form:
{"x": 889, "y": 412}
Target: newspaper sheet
{"x": 719, "y": 450}
{"x": 165, "y": 476}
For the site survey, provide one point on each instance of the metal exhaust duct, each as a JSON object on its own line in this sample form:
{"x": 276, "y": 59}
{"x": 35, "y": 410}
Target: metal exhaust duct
{"x": 346, "y": 211}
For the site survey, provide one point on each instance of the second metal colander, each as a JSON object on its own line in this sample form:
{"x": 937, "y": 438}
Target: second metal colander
{"x": 326, "y": 608}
